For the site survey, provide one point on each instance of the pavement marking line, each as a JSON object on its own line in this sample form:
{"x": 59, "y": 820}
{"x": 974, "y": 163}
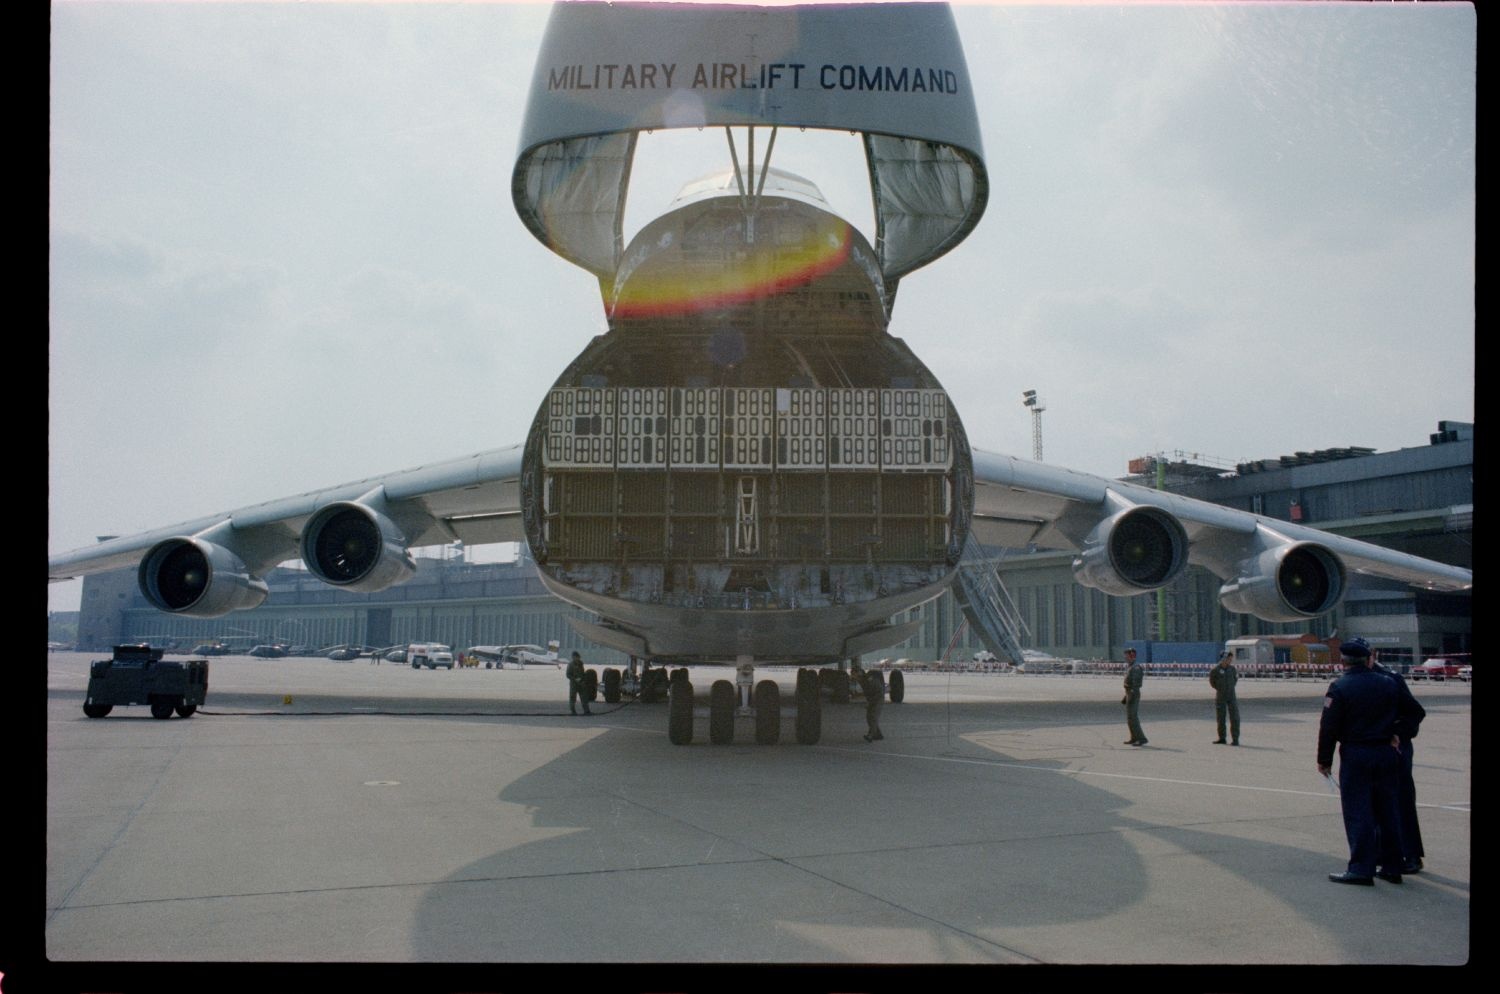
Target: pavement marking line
{"x": 1462, "y": 806}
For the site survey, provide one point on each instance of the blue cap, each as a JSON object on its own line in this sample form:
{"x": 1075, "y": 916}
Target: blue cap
{"x": 1356, "y": 647}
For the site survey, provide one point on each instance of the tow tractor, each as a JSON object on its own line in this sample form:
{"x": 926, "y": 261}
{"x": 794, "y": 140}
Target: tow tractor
{"x": 138, "y": 675}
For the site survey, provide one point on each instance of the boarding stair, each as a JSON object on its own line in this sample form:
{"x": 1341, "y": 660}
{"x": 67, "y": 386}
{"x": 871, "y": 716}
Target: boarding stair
{"x": 987, "y": 605}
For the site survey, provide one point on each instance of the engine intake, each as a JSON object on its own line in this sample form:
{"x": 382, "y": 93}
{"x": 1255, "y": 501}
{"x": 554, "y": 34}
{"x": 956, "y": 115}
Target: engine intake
{"x": 1291, "y": 582}
{"x": 197, "y": 578}
{"x": 352, "y": 545}
{"x": 1139, "y": 548}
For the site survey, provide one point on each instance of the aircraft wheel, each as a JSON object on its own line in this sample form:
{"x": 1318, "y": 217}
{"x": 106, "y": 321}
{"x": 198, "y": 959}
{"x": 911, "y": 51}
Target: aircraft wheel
{"x": 721, "y": 712}
{"x": 809, "y": 712}
{"x": 590, "y": 685}
{"x": 680, "y": 713}
{"x": 185, "y": 710}
{"x": 767, "y": 699}
{"x": 898, "y": 686}
{"x": 807, "y": 682}
{"x": 161, "y": 708}
{"x": 97, "y": 710}
{"x": 611, "y": 686}
{"x": 838, "y": 680}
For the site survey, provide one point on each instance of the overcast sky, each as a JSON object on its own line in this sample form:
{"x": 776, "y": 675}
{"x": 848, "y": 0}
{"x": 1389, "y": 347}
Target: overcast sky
{"x": 283, "y": 251}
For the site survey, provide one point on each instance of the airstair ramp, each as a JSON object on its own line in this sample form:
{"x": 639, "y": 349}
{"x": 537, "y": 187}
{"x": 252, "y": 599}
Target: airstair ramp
{"x": 987, "y": 605}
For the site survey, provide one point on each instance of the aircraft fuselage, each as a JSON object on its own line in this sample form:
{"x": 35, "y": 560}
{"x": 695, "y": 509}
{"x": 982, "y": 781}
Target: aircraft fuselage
{"x": 747, "y": 463}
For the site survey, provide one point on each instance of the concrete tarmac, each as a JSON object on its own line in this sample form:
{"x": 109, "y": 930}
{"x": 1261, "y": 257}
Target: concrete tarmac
{"x": 316, "y": 811}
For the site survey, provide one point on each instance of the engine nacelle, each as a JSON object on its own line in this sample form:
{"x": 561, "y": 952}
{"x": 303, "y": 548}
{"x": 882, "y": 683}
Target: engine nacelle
{"x": 1290, "y": 582}
{"x": 351, "y": 545}
{"x": 198, "y": 578}
{"x": 1140, "y": 548}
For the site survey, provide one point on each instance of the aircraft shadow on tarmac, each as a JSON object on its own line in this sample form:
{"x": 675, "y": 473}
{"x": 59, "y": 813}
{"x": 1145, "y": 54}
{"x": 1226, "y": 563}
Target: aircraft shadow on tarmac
{"x": 658, "y": 853}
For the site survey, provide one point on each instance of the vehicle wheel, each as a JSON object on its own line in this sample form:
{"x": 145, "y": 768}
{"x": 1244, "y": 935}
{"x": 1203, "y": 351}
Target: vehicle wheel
{"x": 590, "y": 685}
{"x": 767, "y": 699}
{"x": 680, "y": 713}
{"x": 97, "y": 710}
{"x": 415, "y": 665}
{"x": 876, "y": 681}
{"x": 809, "y": 711}
{"x": 611, "y": 686}
{"x": 186, "y": 710}
{"x": 898, "y": 686}
{"x": 161, "y": 709}
{"x": 839, "y": 681}
{"x": 721, "y": 712}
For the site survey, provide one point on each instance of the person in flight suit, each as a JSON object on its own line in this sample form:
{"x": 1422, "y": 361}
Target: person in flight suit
{"x": 1222, "y": 678}
{"x": 574, "y": 673}
{"x": 1409, "y": 715}
{"x": 1360, "y": 715}
{"x": 873, "y": 692}
{"x": 1135, "y": 673}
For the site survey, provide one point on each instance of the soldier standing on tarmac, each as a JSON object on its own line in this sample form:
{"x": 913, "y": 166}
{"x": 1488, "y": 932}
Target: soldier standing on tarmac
{"x": 873, "y": 691}
{"x": 1360, "y": 715}
{"x": 1222, "y": 678}
{"x": 1135, "y": 673}
{"x": 574, "y": 673}
{"x": 1409, "y": 715}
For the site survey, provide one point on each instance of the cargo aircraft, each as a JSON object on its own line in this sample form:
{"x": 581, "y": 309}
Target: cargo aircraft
{"x": 747, "y": 466}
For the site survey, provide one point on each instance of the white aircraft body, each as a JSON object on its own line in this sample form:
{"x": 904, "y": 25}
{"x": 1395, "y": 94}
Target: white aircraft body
{"x": 747, "y": 467}
{"x": 517, "y": 656}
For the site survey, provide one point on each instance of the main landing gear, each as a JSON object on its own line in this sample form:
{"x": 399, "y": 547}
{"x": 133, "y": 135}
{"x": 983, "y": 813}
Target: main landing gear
{"x": 744, "y": 697}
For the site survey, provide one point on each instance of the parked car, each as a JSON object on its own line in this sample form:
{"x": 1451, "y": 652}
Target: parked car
{"x": 1466, "y": 673}
{"x": 1436, "y": 668}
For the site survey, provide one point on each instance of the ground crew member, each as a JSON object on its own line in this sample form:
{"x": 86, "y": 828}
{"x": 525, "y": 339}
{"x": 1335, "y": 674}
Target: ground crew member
{"x": 574, "y": 673}
{"x": 1360, "y": 714}
{"x": 1135, "y": 673}
{"x": 1222, "y": 678}
{"x": 874, "y": 691}
{"x": 1409, "y": 715}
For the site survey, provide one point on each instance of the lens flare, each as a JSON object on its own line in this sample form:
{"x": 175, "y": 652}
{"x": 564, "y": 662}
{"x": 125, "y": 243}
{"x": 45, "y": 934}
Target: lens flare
{"x": 740, "y": 275}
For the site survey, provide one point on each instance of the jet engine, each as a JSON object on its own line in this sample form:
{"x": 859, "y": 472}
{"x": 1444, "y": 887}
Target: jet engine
{"x": 198, "y": 578}
{"x": 352, "y": 545}
{"x": 1289, "y": 582}
{"x": 1136, "y": 549}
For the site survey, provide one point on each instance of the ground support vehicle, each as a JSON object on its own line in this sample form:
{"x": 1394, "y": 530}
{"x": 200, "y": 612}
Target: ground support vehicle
{"x": 137, "y": 674}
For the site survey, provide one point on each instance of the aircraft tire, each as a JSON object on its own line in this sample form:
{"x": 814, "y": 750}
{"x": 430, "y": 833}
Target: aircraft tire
{"x": 161, "y": 708}
{"x": 611, "y": 686}
{"x": 767, "y": 699}
{"x": 838, "y": 681}
{"x": 807, "y": 683}
{"x": 185, "y": 710}
{"x": 680, "y": 713}
{"x": 721, "y": 712}
{"x": 97, "y": 710}
{"x": 809, "y": 713}
{"x": 898, "y": 686}
{"x": 591, "y": 685}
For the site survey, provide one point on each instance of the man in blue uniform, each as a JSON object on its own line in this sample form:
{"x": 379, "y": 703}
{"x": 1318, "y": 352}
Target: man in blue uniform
{"x": 1409, "y": 715}
{"x": 1360, "y": 715}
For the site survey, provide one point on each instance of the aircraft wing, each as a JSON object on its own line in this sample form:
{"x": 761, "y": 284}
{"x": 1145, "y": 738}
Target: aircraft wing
{"x": 1130, "y": 539}
{"x": 354, "y": 536}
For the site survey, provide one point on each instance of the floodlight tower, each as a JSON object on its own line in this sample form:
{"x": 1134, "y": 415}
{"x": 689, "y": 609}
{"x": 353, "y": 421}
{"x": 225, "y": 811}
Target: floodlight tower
{"x": 1031, "y": 400}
